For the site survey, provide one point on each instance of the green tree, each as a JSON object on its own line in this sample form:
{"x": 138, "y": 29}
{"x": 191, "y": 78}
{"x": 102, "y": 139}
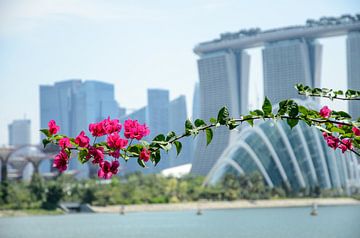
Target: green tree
{"x": 53, "y": 196}
{"x": 37, "y": 187}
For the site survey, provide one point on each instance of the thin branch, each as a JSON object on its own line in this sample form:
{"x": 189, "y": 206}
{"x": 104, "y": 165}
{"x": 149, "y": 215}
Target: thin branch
{"x": 331, "y": 97}
{"x": 352, "y": 150}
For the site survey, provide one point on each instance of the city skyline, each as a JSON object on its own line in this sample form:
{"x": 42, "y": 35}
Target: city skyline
{"x": 290, "y": 55}
{"x": 41, "y": 43}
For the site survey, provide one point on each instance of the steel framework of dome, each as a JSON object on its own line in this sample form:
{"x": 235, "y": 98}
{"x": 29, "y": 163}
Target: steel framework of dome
{"x": 297, "y": 158}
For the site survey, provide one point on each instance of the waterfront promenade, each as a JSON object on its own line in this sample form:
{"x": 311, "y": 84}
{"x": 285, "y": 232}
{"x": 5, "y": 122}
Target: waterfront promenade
{"x": 206, "y": 205}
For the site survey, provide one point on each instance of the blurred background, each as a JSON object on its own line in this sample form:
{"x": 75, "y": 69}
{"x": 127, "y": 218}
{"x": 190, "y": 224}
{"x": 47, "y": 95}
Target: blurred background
{"x": 161, "y": 62}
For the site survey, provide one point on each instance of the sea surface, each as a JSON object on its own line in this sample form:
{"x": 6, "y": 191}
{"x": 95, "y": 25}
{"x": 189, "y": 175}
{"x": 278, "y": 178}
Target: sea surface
{"x": 331, "y": 222}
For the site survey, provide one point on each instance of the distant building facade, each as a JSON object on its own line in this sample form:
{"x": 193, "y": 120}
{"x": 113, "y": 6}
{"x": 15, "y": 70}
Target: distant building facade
{"x": 131, "y": 165}
{"x": 162, "y": 115}
{"x": 353, "y": 69}
{"x": 290, "y": 54}
{"x": 74, "y": 104}
{"x": 196, "y": 102}
{"x": 177, "y": 118}
{"x": 19, "y": 132}
{"x": 224, "y": 77}
{"x": 286, "y": 63}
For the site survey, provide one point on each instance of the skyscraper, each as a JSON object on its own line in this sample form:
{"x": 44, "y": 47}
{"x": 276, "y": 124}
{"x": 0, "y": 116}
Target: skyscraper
{"x": 158, "y": 118}
{"x": 57, "y": 103}
{"x": 196, "y": 102}
{"x": 161, "y": 116}
{"x": 291, "y": 55}
{"x": 353, "y": 69}
{"x": 177, "y": 118}
{"x": 224, "y": 79}
{"x": 131, "y": 165}
{"x": 74, "y": 104}
{"x": 19, "y": 132}
{"x": 287, "y": 63}
{"x": 158, "y": 111}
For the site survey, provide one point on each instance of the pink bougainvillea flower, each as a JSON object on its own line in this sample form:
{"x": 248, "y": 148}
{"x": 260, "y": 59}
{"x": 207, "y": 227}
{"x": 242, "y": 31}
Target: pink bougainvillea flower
{"x": 97, "y": 153}
{"x": 64, "y": 143}
{"x": 97, "y": 129}
{"x": 53, "y": 128}
{"x": 115, "y": 154}
{"x": 325, "y": 112}
{"x": 106, "y": 126}
{"x": 61, "y": 161}
{"x": 134, "y": 130}
{"x": 144, "y": 155}
{"x": 116, "y": 142}
{"x": 356, "y": 131}
{"x": 332, "y": 141}
{"x": 345, "y": 145}
{"x": 111, "y": 126}
{"x": 107, "y": 169}
{"x": 82, "y": 140}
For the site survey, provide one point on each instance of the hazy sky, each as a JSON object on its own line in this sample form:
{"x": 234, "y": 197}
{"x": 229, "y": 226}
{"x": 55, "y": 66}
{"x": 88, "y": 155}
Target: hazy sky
{"x": 136, "y": 45}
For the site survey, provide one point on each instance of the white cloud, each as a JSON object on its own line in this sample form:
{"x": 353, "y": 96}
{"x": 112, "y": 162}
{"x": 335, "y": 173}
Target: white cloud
{"x": 24, "y": 15}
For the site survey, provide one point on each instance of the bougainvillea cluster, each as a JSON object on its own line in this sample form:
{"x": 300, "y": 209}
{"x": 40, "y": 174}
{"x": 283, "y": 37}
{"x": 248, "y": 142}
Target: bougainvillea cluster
{"x": 336, "y": 141}
{"x": 339, "y": 131}
{"x": 104, "y": 154}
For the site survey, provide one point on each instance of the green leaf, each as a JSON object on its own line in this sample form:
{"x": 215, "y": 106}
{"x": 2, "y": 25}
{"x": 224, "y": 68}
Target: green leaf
{"x": 188, "y": 127}
{"x": 267, "y": 107}
{"x": 292, "y": 122}
{"x": 209, "y": 135}
{"x": 166, "y": 146}
{"x": 58, "y": 137}
{"x": 213, "y": 120}
{"x": 299, "y": 87}
{"x": 257, "y": 112}
{"x": 45, "y": 142}
{"x": 223, "y": 116}
{"x": 199, "y": 122}
{"x": 178, "y": 147}
{"x": 156, "y": 156}
{"x": 339, "y": 92}
{"x": 188, "y": 124}
{"x": 135, "y": 149}
{"x": 141, "y": 163}
{"x": 232, "y": 124}
{"x": 343, "y": 114}
{"x": 303, "y": 110}
{"x": 170, "y": 135}
{"x": 293, "y": 108}
{"x": 82, "y": 156}
{"x": 248, "y": 120}
{"x": 283, "y": 107}
{"x": 159, "y": 137}
{"x": 46, "y": 132}
{"x": 337, "y": 129}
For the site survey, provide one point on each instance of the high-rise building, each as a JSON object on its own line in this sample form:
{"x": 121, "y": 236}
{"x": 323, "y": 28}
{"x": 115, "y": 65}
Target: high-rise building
{"x": 131, "y": 165}
{"x": 158, "y": 111}
{"x": 161, "y": 116}
{"x": 177, "y": 118}
{"x": 287, "y": 63}
{"x": 56, "y": 103}
{"x": 196, "y": 102}
{"x": 291, "y": 55}
{"x": 158, "y": 119}
{"x": 74, "y": 104}
{"x": 224, "y": 77}
{"x": 19, "y": 132}
{"x": 353, "y": 69}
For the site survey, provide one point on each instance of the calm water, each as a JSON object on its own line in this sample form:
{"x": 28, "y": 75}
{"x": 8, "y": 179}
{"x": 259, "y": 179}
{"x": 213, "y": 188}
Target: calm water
{"x": 342, "y": 222}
